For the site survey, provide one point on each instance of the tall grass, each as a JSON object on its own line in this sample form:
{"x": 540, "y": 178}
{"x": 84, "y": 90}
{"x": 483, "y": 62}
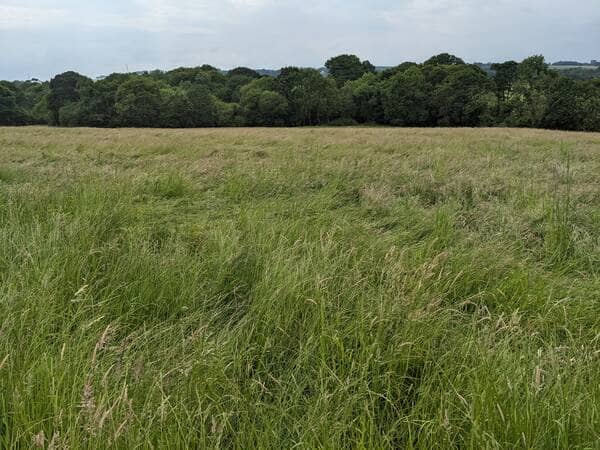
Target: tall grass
{"x": 308, "y": 288}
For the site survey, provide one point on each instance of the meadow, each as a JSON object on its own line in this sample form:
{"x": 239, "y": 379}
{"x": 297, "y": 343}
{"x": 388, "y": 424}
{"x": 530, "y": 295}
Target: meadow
{"x": 299, "y": 288}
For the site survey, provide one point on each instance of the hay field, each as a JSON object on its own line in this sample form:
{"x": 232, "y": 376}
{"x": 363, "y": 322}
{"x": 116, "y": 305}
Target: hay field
{"x": 299, "y": 288}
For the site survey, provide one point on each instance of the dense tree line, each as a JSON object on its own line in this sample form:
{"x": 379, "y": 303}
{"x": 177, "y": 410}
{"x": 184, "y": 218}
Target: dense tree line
{"x": 443, "y": 91}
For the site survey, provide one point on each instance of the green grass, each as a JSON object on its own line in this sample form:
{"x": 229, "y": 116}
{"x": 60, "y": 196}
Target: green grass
{"x": 309, "y": 288}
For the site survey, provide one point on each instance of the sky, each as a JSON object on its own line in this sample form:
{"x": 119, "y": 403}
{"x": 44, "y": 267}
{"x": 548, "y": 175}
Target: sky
{"x": 40, "y": 38}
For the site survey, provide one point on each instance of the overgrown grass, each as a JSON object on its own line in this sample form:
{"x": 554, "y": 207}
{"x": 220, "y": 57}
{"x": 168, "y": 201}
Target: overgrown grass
{"x": 311, "y": 288}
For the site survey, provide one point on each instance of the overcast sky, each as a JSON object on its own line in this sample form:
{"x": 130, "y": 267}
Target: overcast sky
{"x": 39, "y": 38}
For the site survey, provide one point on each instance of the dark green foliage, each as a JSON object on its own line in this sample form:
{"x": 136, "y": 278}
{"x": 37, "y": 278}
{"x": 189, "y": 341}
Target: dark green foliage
{"x": 98, "y": 101}
{"x": 347, "y": 68}
{"x": 30, "y": 104}
{"x": 182, "y": 75}
{"x": 528, "y": 102}
{"x": 562, "y": 111}
{"x": 532, "y": 69}
{"x": 9, "y": 114}
{"x": 388, "y": 73}
{"x": 504, "y": 77}
{"x": 405, "y": 99}
{"x": 443, "y": 91}
{"x": 64, "y": 89}
{"x": 435, "y": 75}
{"x": 368, "y": 67}
{"x": 444, "y": 59}
{"x": 23, "y": 102}
{"x": 234, "y": 85}
{"x": 138, "y": 103}
{"x": 243, "y": 71}
{"x": 588, "y": 103}
{"x": 228, "y": 114}
{"x": 203, "y": 106}
{"x": 464, "y": 98}
{"x": 70, "y": 115}
{"x": 176, "y": 110}
{"x": 262, "y": 105}
{"x": 313, "y": 99}
{"x": 366, "y": 99}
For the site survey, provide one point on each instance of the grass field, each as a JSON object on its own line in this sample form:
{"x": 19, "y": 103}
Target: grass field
{"x": 309, "y": 288}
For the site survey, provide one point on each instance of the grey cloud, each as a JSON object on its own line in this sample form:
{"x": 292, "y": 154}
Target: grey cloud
{"x": 41, "y": 37}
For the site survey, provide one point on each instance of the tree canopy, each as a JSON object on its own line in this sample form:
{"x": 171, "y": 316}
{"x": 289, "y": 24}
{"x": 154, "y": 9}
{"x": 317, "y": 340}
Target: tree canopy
{"x": 443, "y": 91}
{"x": 348, "y": 68}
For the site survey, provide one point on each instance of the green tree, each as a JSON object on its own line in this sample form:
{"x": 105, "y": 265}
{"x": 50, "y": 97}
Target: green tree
{"x": 70, "y": 115}
{"x": 176, "y": 109}
{"x": 39, "y": 113}
{"x": 262, "y": 105}
{"x": 181, "y": 75}
{"x": 465, "y": 98}
{"x": 444, "y": 59}
{"x": 345, "y": 68}
{"x": 228, "y": 114}
{"x": 368, "y": 67}
{"x": 313, "y": 99}
{"x": 527, "y": 106}
{"x": 28, "y": 94}
{"x": 588, "y": 105}
{"x": 203, "y": 106}
{"x": 532, "y": 69}
{"x": 208, "y": 76}
{"x": 234, "y": 85}
{"x": 389, "y": 73}
{"x": 98, "y": 101}
{"x": 9, "y": 113}
{"x": 243, "y": 71}
{"x": 504, "y": 77}
{"x": 273, "y": 107}
{"x": 442, "y": 91}
{"x": 435, "y": 74}
{"x": 64, "y": 89}
{"x": 405, "y": 100}
{"x": 561, "y": 110}
{"x": 365, "y": 94}
{"x": 528, "y": 102}
{"x": 138, "y": 103}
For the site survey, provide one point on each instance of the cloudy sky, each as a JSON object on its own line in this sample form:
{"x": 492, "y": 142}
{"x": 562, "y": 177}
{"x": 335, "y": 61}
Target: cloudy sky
{"x": 39, "y": 38}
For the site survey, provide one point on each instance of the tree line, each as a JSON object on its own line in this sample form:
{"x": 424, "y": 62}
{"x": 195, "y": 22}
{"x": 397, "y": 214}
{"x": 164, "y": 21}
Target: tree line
{"x": 442, "y": 91}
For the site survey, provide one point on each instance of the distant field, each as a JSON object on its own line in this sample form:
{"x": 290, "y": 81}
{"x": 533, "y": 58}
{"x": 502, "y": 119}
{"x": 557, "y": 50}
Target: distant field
{"x": 573, "y": 67}
{"x": 309, "y": 288}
